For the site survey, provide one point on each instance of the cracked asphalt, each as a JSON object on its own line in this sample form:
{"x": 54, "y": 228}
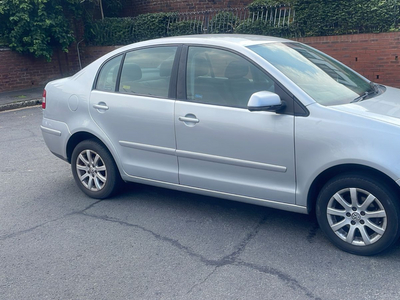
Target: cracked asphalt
{"x": 153, "y": 243}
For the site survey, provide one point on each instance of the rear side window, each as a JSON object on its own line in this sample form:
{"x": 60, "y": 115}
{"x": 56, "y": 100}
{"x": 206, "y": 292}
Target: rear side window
{"x": 108, "y": 75}
{"x": 147, "y": 71}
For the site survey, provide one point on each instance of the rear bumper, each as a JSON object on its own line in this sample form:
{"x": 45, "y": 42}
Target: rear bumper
{"x": 56, "y": 135}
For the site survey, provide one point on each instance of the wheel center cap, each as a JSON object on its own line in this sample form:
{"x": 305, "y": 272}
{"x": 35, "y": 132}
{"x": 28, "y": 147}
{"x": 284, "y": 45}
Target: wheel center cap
{"x": 355, "y": 216}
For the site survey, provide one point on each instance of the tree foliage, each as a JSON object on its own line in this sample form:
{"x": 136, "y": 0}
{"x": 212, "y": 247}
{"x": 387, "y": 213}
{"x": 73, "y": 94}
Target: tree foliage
{"x": 37, "y": 26}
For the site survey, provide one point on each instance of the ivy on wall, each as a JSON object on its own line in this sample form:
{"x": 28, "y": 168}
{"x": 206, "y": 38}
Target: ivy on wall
{"x": 36, "y": 27}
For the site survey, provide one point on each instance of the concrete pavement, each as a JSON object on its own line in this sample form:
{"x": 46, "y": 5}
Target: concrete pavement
{"x": 21, "y": 98}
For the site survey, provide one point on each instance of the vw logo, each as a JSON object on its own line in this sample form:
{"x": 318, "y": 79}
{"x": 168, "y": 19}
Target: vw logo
{"x": 355, "y": 216}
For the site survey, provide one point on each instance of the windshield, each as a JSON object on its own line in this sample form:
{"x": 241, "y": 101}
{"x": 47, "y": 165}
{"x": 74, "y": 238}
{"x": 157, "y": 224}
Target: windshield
{"x": 325, "y": 80}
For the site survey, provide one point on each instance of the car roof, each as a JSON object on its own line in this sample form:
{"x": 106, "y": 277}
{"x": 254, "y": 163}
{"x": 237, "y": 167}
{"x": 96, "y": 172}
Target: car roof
{"x": 243, "y": 39}
{"x": 227, "y": 40}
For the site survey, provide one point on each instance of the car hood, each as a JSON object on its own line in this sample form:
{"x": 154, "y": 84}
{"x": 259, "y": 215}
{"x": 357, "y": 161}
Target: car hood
{"x": 385, "y": 107}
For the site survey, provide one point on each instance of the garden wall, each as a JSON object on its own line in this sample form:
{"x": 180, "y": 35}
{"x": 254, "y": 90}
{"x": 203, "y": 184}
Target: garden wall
{"x": 376, "y": 56}
{"x": 91, "y": 53}
{"x": 19, "y": 71}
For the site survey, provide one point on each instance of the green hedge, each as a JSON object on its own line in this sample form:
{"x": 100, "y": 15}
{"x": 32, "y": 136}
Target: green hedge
{"x": 110, "y": 31}
{"x": 185, "y": 28}
{"x": 335, "y": 17}
{"x": 329, "y": 17}
{"x": 261, "y": 28}
{"x": 122, "y": 31}
{"x": 312, "y": 18}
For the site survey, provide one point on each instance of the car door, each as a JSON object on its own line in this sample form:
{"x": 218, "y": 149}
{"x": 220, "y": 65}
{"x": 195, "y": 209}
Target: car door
{"x": 221, "y": 145}
{"x": 132, "y": 104}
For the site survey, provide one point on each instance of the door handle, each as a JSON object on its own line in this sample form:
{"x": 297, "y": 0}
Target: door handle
{"x": 190, "y": 120}
{"x": 101, "y": 106}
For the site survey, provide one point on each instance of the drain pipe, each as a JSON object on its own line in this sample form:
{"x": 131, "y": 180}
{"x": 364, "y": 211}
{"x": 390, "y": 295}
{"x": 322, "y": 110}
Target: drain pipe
{"x": 79, "y": 55}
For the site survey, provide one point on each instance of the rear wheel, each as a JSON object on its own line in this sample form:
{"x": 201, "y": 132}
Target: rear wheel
{"x": 358, "y": 214}
{"x": 94, "y": 170}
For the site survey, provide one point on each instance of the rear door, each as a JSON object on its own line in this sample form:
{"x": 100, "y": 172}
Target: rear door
{"x": 221, "y": 145}
{"x": 133, "y": 104}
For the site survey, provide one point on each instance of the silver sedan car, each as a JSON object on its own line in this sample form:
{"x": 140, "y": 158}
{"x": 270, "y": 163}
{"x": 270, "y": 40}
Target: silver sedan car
{"x": 255, "y": 119}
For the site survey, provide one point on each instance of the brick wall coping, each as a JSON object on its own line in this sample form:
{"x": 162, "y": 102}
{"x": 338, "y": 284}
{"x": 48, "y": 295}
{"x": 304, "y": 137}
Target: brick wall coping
{"x": 349, "y": 37}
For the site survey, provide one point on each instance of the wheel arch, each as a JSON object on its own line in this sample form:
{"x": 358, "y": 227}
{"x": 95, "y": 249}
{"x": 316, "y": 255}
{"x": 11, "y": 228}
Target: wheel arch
{"x": 78, "y": 137}
{"x": 331, "y": 172}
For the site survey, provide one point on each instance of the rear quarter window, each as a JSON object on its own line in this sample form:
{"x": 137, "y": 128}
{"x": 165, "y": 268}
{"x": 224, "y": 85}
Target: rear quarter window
{"x": 107, "y": 78}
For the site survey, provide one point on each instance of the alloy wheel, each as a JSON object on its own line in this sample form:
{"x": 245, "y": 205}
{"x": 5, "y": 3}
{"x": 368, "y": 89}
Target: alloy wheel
{"x": 356, "y": 216}
{"x": 91, "y": 170}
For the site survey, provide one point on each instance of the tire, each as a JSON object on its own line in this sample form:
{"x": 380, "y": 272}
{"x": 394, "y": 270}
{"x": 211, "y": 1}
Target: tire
{"x": 358, "y": 214}
{"x": 94, "y": 170}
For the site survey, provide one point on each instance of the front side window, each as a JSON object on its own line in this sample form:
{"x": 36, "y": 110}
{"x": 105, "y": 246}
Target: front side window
{"x": 325, "y": 80}
{"x": 107, "y": 78}
{"x": 220, "y": 77}
{"x": 147, "y": 71}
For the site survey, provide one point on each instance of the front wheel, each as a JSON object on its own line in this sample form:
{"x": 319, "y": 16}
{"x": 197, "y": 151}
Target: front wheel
{"x": 358, "y": 214}
{"x": 94, "y": 170}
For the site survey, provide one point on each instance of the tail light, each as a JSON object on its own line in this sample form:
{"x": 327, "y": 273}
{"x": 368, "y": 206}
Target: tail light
{"x": 44, "y": 99}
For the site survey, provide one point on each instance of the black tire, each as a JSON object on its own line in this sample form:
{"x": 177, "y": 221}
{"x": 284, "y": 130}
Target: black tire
{"x": 359, "y": 214}
{"x": 97, "y": 176}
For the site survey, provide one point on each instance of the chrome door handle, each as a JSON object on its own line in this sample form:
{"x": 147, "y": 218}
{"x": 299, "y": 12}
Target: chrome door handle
{"x": 191, "y": 120}
{"x": 102, "y": 106}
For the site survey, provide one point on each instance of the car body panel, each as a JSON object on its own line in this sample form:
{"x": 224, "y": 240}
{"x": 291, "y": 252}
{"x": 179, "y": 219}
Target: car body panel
{"x": 56, "y": 135}
{"x": 212, "y": 156}
{"x": 330, "y": 137}
{"x": 142, "y": 131}
{"x": 383, "y": 108}
{"x": 213, "y": 193}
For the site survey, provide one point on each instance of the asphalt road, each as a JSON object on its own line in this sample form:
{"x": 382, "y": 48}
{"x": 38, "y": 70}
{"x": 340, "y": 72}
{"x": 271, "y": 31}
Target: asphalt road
{"x": 152, "y": 243}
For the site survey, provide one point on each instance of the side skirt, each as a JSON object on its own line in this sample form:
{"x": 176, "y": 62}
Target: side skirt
{"x": 223, "y": 195}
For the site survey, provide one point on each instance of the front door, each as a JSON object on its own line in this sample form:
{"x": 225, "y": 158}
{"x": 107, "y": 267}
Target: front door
{"x": 222, "y": 146}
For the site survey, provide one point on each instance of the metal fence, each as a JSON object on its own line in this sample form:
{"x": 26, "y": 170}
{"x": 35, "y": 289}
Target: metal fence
{"x": 226, "y": 20}
{"x": 254, "y": 20}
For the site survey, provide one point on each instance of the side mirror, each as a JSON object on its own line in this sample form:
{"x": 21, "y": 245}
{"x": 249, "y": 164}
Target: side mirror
{"x": 265, "y": 101}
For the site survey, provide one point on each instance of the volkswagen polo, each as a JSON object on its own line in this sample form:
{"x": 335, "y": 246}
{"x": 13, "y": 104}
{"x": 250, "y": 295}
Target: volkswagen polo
{"x": 256, "y": 119}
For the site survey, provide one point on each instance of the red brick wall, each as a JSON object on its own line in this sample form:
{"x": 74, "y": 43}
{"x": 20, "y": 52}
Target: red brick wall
{"x": 136, "y": 7}
{"x": 375, "y": 56}
{"x": 91, "y": 53}
{"x": 19, "y": 71}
